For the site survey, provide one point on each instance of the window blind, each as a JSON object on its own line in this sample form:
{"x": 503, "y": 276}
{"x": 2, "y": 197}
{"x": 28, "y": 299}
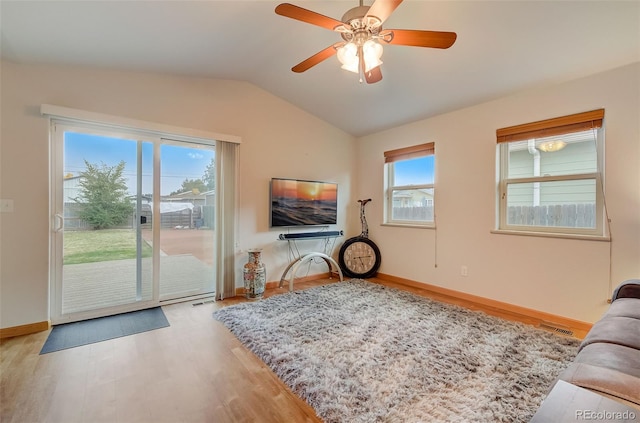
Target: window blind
{"x": 409, "y": 152}
{"x": 552, "y": 127}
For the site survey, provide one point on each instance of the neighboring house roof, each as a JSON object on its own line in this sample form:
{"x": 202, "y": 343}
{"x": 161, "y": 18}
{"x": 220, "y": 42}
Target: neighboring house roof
{"x": 412, "y": 193}
{"x": 188, "y": 195}
{"x": 71, "y": 188}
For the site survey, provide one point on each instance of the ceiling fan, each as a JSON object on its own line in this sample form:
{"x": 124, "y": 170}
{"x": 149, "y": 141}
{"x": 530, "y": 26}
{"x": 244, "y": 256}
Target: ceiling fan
{"x": 363, "y": 35}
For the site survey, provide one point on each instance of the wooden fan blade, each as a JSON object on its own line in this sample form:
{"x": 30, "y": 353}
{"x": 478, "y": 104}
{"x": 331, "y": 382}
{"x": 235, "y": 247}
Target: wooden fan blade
{"x": 417, "y": 38}
{"x": 373, "y": 76}
{"x": 316, "y": 58}
{"x": 382, "y": 9}
{"x": 304, "y": 15}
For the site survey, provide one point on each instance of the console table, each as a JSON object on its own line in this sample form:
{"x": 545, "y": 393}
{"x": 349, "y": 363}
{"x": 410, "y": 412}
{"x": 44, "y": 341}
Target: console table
{"x": 330, "y": 239}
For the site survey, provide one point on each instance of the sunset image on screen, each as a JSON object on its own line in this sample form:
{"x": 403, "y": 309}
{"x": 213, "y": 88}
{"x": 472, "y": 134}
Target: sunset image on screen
{"x": 295, "y": 202}
{"x": 305, "y": 190}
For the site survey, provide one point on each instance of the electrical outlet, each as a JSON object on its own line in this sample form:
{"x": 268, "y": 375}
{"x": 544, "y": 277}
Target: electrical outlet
{"x": 464, "y": 271}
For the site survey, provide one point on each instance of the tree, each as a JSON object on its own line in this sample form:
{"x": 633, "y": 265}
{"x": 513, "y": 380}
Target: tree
{"x": 206, "y": 183}
{"x": 103, "y": 194}
{"x": 188, "y": 185}
{"x": 209, "y": 177}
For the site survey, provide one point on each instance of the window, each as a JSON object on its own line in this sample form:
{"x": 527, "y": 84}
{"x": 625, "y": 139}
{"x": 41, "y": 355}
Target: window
{"x": 409, "y": 185}
{"x": 550, "y": 176}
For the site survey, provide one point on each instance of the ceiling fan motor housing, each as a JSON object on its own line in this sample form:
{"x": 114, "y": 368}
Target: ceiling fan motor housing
{"x": 357, "y": 12}
{"x": 363, "y": 27}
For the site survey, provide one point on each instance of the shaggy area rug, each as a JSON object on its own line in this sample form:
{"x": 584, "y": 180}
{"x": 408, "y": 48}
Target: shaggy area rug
{"x": 360, "y": 352}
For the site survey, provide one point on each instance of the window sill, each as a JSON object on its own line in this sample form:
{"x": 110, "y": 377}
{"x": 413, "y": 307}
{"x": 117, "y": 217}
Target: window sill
{"x": 552, "y": 235}
{"x": 409, "y": 225}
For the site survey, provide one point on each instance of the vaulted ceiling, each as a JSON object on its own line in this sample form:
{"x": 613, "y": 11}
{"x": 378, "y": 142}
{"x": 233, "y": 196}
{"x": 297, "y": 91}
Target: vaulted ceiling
{"x": 502, "y": 47}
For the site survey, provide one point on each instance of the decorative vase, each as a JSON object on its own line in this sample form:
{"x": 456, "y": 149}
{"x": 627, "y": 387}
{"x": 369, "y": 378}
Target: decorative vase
{"x": 255, "y": 276}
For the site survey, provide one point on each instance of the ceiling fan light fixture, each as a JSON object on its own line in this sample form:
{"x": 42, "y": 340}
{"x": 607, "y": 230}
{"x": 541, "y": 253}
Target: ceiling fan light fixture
{"x": 348, "y": 56}
{"x": 371, "y": 52}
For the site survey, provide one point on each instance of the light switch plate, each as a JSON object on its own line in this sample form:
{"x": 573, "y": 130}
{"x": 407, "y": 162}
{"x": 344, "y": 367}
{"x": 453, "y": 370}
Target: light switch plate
{"x": 6, "y": 206}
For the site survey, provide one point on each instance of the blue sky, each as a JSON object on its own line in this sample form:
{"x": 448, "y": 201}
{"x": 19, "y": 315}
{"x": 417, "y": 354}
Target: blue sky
{"x": 415, "y": 171}
{"x": 177, "y": 162}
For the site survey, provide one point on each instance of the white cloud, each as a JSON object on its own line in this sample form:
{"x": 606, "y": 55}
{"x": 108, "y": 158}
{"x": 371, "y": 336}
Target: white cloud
{"x": 195, "y": 155}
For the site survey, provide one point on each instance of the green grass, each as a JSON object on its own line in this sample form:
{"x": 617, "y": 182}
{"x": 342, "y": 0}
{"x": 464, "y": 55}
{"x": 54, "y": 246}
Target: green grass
{"x": 101, "y": 245}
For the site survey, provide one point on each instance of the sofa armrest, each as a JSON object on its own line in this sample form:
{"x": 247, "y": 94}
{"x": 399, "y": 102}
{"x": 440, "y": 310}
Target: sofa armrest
{"x": 627, "y": 289}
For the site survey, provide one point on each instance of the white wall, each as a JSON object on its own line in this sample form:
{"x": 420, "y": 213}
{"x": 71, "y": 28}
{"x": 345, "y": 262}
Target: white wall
{"x": 278, "y": 140}
{"x": 566, "y": 277}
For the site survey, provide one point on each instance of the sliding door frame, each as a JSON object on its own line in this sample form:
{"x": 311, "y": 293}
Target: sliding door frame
{"x": 138, "y": 130}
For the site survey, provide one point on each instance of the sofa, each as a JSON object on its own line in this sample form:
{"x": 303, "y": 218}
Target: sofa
{"x": 608, "y": 360}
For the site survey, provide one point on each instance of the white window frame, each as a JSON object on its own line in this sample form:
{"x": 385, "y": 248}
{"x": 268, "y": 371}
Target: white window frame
{"x": 504, "y": 181}
{"x": 403, "y": 154}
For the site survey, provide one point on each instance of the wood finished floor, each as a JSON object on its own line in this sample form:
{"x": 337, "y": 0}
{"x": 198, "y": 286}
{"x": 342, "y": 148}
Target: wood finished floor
{"x": 193, "y": 371}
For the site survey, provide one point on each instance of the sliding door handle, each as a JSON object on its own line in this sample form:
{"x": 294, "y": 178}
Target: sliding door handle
{"x": 58, "y": 225}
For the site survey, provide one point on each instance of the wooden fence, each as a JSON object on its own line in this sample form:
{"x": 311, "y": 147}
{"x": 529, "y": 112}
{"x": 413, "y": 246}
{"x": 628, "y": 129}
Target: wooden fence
{"x": 184, "y": 219}
{"x": 564, "y": 215}
{"x": 424, "y": 214}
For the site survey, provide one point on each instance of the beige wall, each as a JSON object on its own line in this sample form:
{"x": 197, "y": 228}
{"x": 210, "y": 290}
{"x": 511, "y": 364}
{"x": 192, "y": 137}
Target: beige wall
{"x": 278, "y": 140}
{"x": 564, "y": 277}
{"x": 560, "y": 276}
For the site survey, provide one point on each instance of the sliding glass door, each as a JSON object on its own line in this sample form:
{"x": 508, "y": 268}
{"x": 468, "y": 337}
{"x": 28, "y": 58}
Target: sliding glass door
{"x": 187, "y": 214}
{"x": 132, "y": 221}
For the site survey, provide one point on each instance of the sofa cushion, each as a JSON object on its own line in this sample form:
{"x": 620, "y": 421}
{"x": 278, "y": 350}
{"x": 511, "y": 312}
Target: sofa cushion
{"x": 607, "y": 368}
{"x": 627, "y": 289}
{"x": 614, "y": 330}
{"x": 615, "y": 357}
{"x": 624, "y": 307}
{"x": 603, "y": 380}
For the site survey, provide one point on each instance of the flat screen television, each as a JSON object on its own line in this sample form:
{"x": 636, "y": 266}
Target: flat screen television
{"x": 296, "y": 202}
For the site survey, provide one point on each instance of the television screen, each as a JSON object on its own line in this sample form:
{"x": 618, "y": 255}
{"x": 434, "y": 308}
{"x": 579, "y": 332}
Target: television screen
{"x": 303, "y": 203}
